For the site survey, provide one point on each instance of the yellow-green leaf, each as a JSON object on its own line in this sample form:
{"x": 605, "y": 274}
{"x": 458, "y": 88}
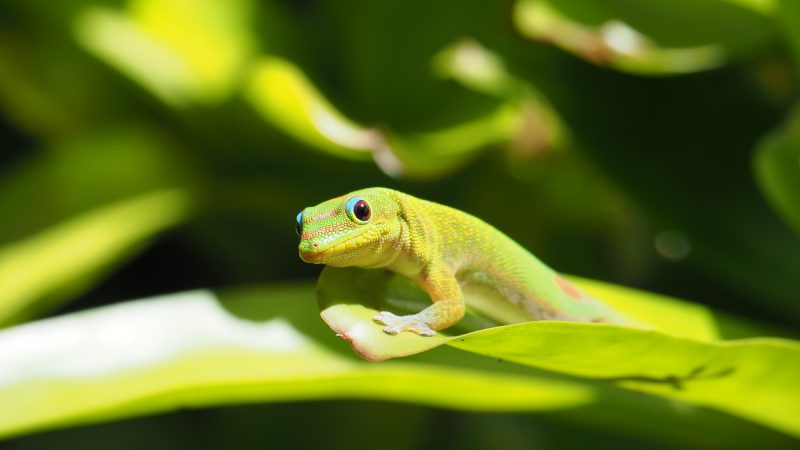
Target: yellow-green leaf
{"x": 51, "y": 265}
{"x": 678, "y": 352}
{"x": 181, "y": 50}
{"x": 202, "y": 348}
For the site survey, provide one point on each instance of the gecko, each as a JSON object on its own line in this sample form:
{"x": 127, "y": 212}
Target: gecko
{"x": 446, "y": 252}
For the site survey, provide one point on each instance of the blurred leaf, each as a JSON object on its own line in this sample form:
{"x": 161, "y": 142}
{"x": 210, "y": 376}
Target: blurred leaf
{"x": 54, "y": 264}
{"x": 435, "y": 153}
{"x": 743, "y": 258}
{"x": 181, "y": 50}
{"x": 22, "y": 97}
{"x": 69, "y": 214}
{"x": 478, "y": 68}
{"x": 777, "y": 166}
{"x": 199, "y": 349}
{"x": 538, "y": 127}
{"x": 286, "y": 98}
{"x": 752, "y": 378}
{"x": 384, "y": 51}
{"x": 789, "y": 16}
{"x": 663, "y": 37}
{"x": 85, "y": 172}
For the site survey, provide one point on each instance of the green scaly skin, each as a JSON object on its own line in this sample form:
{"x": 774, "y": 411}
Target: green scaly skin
{"x": 444, "y": 251}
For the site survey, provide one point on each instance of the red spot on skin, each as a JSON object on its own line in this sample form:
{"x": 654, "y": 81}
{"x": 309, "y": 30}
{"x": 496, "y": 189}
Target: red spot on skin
{"x": 569, "y": 288}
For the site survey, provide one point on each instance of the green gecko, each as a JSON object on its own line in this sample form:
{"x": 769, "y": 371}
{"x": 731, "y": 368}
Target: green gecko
{"x": 445, "y": 251}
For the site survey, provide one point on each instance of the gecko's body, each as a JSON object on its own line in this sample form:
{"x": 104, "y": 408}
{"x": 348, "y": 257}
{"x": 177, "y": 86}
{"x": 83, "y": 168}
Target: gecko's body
{"x": 445, "y": 251}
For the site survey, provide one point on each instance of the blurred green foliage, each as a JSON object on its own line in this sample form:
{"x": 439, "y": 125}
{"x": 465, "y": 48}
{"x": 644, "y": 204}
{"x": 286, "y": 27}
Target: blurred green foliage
{"x": 154, "y": 146}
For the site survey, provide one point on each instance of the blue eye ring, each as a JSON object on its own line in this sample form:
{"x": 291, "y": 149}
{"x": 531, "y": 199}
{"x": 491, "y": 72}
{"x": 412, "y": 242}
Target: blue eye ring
{"x": 358, "y": 210}
{"x": 298, "y": 226}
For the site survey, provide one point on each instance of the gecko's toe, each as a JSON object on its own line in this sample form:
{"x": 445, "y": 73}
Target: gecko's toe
{"x": 392, "y": 329}
{"x": 427, "y": 332}
{"x": 385, "y": 318}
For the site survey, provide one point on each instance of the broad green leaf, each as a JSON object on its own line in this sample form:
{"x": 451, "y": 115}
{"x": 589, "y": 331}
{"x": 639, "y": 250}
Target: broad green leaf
{"x": 201, "y": 348}
{"x": 652, "y": 38}
{"x": 181, "y": 50}
{"x": 674, "y": 355}
{"x": 753, "y": 378}
{"x": 54, "y": 264}
{"x": 777, "y": 167}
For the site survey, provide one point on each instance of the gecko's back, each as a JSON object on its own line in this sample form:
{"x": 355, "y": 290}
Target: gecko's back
{"x": 456, "y": 258}
{"x": 501, "y": 278}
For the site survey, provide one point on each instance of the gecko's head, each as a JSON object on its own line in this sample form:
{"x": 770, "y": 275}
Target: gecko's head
{"x": 357, "y": 229}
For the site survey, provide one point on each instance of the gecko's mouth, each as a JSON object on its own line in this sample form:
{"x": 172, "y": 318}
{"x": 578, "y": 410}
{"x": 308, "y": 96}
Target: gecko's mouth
{"x": 311, "y": 256}
{"x": 330, "y": 255}
{"x": 319, "y": 255}
{"x": 320, "y": 252}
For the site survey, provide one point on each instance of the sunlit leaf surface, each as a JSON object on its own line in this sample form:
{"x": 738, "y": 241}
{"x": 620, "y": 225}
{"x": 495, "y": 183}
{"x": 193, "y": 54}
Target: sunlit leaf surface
{"x": 754, "y": 378}
{"x": 266, "y": 344}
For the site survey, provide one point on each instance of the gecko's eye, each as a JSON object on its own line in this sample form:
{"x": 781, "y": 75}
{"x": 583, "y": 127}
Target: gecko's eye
{"x": 358, "y": 209}
{"x": 298, "y": 226}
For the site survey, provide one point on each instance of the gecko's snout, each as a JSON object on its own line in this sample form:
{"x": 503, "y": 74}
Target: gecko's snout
{"x": 309, "y": 253}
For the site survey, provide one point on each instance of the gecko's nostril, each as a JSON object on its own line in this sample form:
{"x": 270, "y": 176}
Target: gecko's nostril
{"x": 315, "y": 244}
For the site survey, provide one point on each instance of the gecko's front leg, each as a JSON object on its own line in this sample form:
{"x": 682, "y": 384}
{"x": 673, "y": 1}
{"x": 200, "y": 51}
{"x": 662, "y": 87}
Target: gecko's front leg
{"x": 413, "y": 322}
{"x": 447, "y": 308}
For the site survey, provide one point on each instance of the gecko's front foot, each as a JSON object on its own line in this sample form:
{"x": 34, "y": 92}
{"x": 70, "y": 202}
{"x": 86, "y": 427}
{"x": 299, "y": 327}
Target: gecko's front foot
{"x": 395, "y": 324}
